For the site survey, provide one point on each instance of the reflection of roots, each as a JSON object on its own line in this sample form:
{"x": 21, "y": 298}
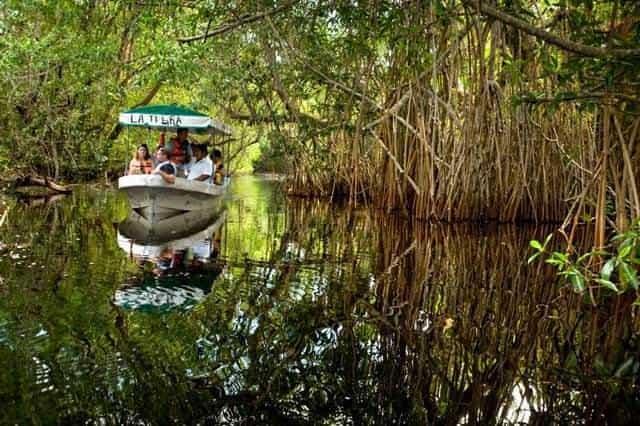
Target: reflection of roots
{"x": 462, "y": 318}
{"x": 39, "y": 200}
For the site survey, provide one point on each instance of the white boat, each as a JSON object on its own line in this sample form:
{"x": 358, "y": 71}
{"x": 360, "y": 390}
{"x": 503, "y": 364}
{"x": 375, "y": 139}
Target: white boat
{"x": 150, "y": 195}
{"x": 155, "y": 199}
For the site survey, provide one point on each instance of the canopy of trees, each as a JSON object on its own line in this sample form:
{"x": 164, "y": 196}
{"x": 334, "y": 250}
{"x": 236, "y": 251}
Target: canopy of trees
{"x": 460, "y": 109}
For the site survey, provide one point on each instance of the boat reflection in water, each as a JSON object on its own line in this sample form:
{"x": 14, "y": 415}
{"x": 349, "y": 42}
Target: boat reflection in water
{"x": 178, "y": 257}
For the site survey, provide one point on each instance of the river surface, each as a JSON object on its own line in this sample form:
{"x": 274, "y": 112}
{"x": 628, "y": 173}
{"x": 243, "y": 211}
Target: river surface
{"x": 290, "y": 311}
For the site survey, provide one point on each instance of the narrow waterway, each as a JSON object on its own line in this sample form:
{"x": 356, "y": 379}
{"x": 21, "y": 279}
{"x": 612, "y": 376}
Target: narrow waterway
{"x": 289, "y": 311}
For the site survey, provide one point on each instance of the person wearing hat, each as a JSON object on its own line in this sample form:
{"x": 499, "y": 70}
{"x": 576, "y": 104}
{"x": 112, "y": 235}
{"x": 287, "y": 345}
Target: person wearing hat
{"x": 201, "y": 167}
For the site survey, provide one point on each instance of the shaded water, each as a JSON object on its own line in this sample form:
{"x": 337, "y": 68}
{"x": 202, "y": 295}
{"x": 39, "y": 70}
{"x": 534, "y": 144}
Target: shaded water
{"x": 296, "y": 312}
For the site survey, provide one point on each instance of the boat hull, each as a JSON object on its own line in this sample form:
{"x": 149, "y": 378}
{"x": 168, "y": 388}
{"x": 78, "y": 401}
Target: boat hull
{"x": 156, "y": 200}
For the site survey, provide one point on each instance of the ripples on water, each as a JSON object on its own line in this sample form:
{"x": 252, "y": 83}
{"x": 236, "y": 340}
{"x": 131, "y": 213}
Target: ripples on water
{"x": 296, "y": 311}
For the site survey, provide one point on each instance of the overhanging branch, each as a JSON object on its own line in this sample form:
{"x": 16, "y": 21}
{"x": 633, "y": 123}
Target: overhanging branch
{"x": 568, "y": 45}
{"x": 257, "y": 118}
{"x": 115, "y": 131}
{"x": 573, "y": 97}
{"x": 232, "y": 25}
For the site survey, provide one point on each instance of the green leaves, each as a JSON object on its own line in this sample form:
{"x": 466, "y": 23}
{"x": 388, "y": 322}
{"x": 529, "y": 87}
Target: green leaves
{"x": 607, "y": 284}
{"x": 539, "y": 247}
{"x": 577, "y": 280}
{"x": 558, "y": 259}
{"x": 628, "y": 275}
{"x": 624, "y": 251}
{"x": 618, "y": 274}
{"x": 607, "y": 269}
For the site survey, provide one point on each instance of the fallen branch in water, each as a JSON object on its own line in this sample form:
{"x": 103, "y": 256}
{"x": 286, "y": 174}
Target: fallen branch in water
{"x": 29, "y": 180}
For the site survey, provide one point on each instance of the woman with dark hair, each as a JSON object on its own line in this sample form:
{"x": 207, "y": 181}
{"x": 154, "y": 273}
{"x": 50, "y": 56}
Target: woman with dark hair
{"x": 141, "y": 164}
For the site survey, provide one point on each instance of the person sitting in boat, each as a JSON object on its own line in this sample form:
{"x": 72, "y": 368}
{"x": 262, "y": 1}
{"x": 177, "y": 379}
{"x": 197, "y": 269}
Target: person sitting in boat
{"x": 218, "y": 167}
{"x": 179, "y": 149}
{"x": 165, "y": 168}
{"x": 141, "y": 164}
{"x": 200, "y": 168}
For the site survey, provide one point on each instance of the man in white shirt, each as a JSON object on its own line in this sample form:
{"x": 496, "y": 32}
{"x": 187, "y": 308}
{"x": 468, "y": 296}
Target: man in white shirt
{"x": 201, "y": 167}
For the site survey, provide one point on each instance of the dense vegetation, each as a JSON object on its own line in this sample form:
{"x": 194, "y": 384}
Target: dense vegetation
{"x": 512, "y": 110}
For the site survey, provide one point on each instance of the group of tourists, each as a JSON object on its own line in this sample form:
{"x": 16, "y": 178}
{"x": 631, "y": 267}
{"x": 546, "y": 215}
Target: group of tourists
{"x": 179, "y": 158}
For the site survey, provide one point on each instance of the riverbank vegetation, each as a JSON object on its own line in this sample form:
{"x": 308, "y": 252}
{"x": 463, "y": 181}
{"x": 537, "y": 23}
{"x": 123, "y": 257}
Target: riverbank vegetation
{"x": 454, "y": 110}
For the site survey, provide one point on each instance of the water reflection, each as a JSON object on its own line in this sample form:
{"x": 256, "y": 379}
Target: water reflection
{"x": 320, "y": 314}
{"x": 178, "y": 257}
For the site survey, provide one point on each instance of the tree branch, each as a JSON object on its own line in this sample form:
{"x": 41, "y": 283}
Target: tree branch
{"x": 32, "y": 180}
{"x": 115, "y": 131}
{"x": 568, "y": 45}
{"x": 232, "y": 25}
{"x": 571, "y": 97}
{"x": 257, "y": 118}
{"x": 152, "y": 93}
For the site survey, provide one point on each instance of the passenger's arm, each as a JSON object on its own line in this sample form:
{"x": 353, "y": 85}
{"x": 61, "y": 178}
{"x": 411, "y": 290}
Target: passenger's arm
{"x": 169, "y": 178}
{"x": 202, "y": 178}
{"x": 219, "y": 177}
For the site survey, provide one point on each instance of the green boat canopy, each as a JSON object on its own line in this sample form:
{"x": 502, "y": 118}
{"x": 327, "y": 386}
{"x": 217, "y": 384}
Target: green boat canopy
{"x": 171, "y": 118}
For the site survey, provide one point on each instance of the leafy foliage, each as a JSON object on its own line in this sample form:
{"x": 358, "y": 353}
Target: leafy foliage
{"x": 615, "y": 270}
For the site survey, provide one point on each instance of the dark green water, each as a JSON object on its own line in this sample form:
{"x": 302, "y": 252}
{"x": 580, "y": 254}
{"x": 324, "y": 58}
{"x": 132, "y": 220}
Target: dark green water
{"x": 297, "y": 312}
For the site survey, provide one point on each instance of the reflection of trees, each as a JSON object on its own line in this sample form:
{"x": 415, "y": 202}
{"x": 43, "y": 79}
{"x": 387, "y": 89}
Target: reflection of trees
{"x": 437, "y": 324}
{"x": 468, "y": 319}
{"x": 352, "y": 318}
